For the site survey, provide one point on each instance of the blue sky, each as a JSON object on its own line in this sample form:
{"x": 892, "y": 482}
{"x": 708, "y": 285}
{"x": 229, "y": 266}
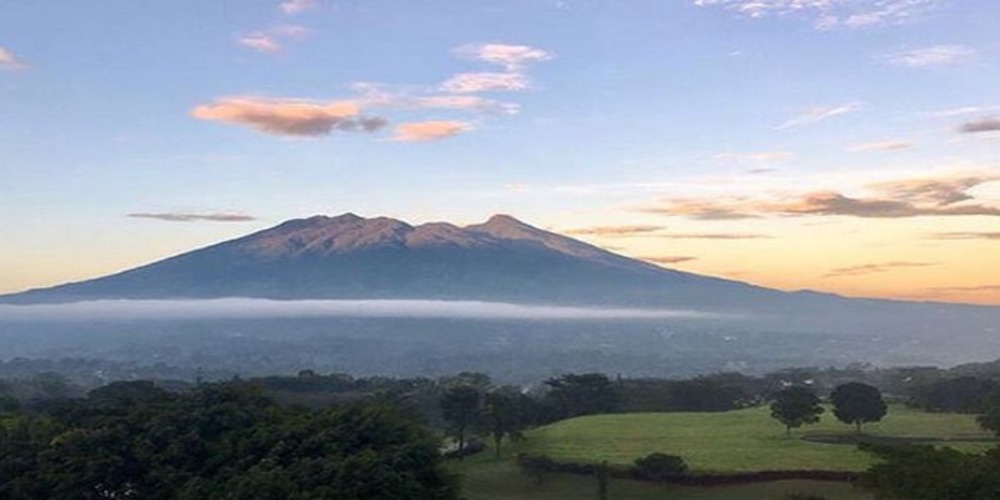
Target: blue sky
{"x": 843, "y": 145}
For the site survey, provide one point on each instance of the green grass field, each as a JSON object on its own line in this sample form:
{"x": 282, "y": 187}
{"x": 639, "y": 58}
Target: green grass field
{"x": 744, "y": 440}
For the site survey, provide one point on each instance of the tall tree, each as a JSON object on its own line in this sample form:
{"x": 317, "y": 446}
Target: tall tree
{"x": 796, "y": 406}
{"x": 503, "y": 412}
{"x": 857, "y": 403}
{"x": 460, "y": 407}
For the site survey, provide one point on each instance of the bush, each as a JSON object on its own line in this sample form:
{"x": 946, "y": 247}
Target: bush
{"x": 660, "y": 467}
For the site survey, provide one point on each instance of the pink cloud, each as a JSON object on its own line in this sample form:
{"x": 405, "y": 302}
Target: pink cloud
{"x": 430, "y": 130}
{"x": 9, "y": 61}
{"x": 289, "y": 117}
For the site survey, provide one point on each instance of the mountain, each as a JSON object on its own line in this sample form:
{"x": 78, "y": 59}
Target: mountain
{"x": 351, "y": 257}
{"x": 742, "y": 327}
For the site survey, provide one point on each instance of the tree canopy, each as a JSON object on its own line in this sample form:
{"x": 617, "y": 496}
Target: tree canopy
{"x": 796, "y": 406}
{"x": 857, "y": 403}
{"x": 133, "y": 440}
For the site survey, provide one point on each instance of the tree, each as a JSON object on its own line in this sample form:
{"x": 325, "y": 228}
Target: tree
{"x": 587, "y": 394}
{"x": 923, "y": 472}
{"x": 956, "y": 395}
{"x": 796, "y": 406}
{"x": 857, "y": 403}
{"x": 460, "y": 407}
{"x": 990, "y": 419}
{"x": 503, "y": 415}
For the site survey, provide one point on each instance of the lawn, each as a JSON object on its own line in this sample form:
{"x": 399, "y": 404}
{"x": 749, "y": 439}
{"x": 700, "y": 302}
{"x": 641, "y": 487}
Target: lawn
{"x": 744, "y": 440}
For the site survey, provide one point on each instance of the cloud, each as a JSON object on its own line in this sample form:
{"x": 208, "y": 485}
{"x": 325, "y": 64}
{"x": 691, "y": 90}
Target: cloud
{"x": 9, "y": 61}
{"x": 614, "y": 230}
{"x": 193, "y": 217}
{"x": 984, "y": 124}
{"x": 288, "y": 117}
{"x": 467, "y": 83}
{"x": 831, "y": 14}
{"x": 272, "y": 40}
{"x": 819, "y": 114}
{"x": 512, "y": 57}
{"x": 761, "y": 157}
{"x": 294, "y": 7}
{"x": 940, "y": 196}
{"x": 881, "y": 146}
{"x": 125, "y": 310}
{"x": 378, "y": 95}
{"x": 713, "y": 236}
{"x": 959, "y": 289}
{"x": 703, "y": 209}
{"x": 430, "y": 130}
{"x": 965, "y": 236}
{"x": 669, "y": 259}
{"x": 865, "y": 269}
{"x": 260, "y": 42}
{"x": 931, "y": 57}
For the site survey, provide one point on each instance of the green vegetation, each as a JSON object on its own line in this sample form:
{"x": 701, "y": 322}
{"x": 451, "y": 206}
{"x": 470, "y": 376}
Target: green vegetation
{"x": 134, "y": 440}
{"x": 742, "y": 440}
{"x": 488, "y": 479}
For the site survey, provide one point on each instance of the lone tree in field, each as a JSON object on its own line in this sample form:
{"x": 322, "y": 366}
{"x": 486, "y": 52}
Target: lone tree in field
{"x": 796, "y": 406}
{"x": 857, "y": 403}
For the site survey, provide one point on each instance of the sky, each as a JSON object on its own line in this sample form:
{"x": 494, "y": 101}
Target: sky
{"x": 848, "y": 146}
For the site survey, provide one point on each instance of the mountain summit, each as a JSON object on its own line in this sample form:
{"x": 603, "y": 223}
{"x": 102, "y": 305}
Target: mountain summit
{"x": 353, "y": 257}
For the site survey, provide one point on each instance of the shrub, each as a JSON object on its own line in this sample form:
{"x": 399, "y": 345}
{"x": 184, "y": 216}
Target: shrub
{"x": 660, "y": 467}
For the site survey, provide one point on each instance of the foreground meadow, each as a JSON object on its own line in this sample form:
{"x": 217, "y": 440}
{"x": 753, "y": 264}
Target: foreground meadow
{"x": 740, "y": 441}
{"x": 737, "y": 441}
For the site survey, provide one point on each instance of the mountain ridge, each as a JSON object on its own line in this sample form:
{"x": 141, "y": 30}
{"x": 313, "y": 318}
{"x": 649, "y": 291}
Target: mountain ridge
{"x": 349, "y": 256}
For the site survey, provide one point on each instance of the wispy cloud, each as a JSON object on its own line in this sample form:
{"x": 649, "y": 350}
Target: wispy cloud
{"x": 513, "y": 58}
{"x": 289, "y": 117}
{"x": 377, "y": 95}
{"x": 713, "y": 236}
{"x": 272, "y": 40}
{"x": 931, "y": 57}
{"x": 486, "y": 82}
{"x": 881, "y": 146}
{"x": 669, "y": 259}
{"x": 294, "y": 7}
{"x": 866, "y": 269}
{"x": 819, "y": 114}
{"x": 915, "y": 197}
{"x": 984, "y": 124}
{"x": 9, "y": 61}
{"x": 430, "y": 130}
{"x": 965, "y": 236}
{"x": 613, "y": 230}
{"x": 192, "y": 217}
{"x": 831, "y": 14}
{"x": 759, "y": 157}
{"x": 961, "y": 289}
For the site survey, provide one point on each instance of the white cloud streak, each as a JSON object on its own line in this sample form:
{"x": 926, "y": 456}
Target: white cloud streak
{"x": 931, "y": 57}
{"x": 819, "y": 114}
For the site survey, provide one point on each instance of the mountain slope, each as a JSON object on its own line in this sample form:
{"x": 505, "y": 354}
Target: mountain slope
{"x": 353, "y": 257}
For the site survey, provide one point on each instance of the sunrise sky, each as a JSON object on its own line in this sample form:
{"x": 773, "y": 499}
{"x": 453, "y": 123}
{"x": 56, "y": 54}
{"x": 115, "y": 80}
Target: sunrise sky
{"x": 850, "y": 146}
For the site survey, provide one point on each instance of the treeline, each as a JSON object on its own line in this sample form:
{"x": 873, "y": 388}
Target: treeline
{"x": 215, "y": 441}
{"x": 962, "y": 389}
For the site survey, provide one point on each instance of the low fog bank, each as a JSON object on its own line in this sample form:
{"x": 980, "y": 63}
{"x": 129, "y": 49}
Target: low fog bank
{"x": 111, "y": 310}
